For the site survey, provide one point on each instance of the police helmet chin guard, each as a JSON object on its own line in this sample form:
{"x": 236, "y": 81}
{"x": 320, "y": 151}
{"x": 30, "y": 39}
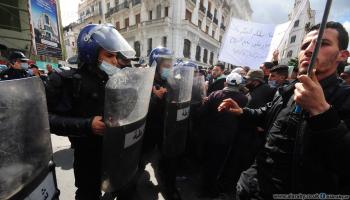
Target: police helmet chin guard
{"x": 93, "y": 37}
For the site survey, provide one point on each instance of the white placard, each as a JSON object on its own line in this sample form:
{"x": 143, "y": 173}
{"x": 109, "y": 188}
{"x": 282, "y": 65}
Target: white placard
{"x": 45, "y": 191}
{"x": 182, "y": 114}
{"x": 133, "y": 137}
{"x": 246, "y": 43}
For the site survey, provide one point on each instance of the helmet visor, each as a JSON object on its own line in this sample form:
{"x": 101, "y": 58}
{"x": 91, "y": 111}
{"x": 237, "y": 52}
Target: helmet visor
{"x": 111, "y": 40}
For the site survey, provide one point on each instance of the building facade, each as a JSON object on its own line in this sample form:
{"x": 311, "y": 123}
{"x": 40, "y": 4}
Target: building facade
{"x": 193, "y": 29}
{"x": 15, "y": 30}
{"x": 291, "y": 47}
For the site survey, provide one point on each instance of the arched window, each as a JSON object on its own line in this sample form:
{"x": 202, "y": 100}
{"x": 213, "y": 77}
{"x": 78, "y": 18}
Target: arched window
{"x": 187, "y": 48}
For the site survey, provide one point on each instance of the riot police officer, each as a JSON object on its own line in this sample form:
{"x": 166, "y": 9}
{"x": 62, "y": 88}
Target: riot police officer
{"x": 162, "y": 59}
{"x": 18, "y": 66}
{"x": 76, "y": 101}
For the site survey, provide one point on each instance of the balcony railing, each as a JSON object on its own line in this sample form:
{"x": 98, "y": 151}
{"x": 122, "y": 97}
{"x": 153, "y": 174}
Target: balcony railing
{"x": 202, "y": 8}
{"x": 216, "y": 21}
{"x": 135, "y": 2}
{"x": 222, "y": 26}
{"x": 117, "y": 8}
{"x": 210, "y": 15}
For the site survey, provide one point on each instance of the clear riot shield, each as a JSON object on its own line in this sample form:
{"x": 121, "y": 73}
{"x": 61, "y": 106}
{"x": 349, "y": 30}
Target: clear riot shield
{"x": 26, "y": 167}
{"x": 127, "y": 99}
{"x": 198, "y": 89}
{"x": 177, "y": 110}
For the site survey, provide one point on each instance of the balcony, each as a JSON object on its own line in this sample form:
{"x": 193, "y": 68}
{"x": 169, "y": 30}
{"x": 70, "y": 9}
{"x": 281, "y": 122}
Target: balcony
{"x": 117, "y": 8}
{"x": 135, "y": 2}
{"x": 222, "y": 26}
{"x": 202, "y": 8}
{"x": 210, "y": 15}
{"x": 216, "y": 21}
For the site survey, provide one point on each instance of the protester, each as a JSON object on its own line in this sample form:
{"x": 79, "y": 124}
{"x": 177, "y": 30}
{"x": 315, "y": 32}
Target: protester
{"x": 278, "y": 76}
{"x": 305, "y": 152}
{"x": 219, "y": 135}
{"x": 346, "y": 74}
{"x": 250, "y": 136}
{"x": 217, "y": 80}
{"x": 265, "y": 67}
{"x": 241, "y": 71}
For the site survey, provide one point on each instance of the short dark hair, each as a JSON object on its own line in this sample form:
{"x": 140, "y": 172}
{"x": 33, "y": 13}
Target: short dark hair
{"x": 268, "y": 65}
{"x": 34, "y": 66}
{"x": 343, "y": 36}
{"x": 222, "y": 66}
{"x": 281, "y": 70}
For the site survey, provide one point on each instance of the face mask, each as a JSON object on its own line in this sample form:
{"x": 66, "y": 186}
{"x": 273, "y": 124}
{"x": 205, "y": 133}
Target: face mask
{"x": 24, "y": 66}
{"x": 109, "y": 69}
{"x": 272, "y": 84}
{"x": 30, "y": 72}
{"x": 165, "y": 73}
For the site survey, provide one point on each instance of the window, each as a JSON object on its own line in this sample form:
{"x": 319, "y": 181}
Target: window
{"x": 166, "y": 12}
{"x": 200, "y": 24}
{"x": 296, "y": 23}
{"x": 92, "y": 9}
{"x": 99, "y": 21}
{"x": 159, "y": 11}
{"x": 100, "y": 8}
{"x": 213, "y": 33}
{"x": 211, "y": 59}
{"x": 150, "y": 15}
{"x": 289, "y": 54}
{"x": 209, "y": 6}
{"x": 164, "y": 41}
{"x": 205, "y": 56}
{"x": 117, "y": 25}
{"x": 207, "y": 29}
{"x": 188, "y": 15}
{"x": 137, "y": 48}
{"x": 73, "y": 44}
{"x": 292, "y": 39}
{"x": 198, "y": 53}
{"x": 116, "y": 2}
{"x": 187, "y": 48}
{"x": 215, "y": 13}
{"x": 149, "y": 46}
{"x": 108, "y": 6}
{"x": 126, "y": 22}
{"x": 220, "y": 38}
{"x": 138, "y": 18}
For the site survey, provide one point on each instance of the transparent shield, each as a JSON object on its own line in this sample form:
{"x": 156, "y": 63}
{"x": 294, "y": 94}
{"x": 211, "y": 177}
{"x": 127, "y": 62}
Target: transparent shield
{"x": 180, "y": 84}
{"x": 25, "y": 144}
{"x": 198, "y": 88}
{"x": 127, "y": 96}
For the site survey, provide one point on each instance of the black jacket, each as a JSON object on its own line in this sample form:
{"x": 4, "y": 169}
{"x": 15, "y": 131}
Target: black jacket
{"x": 260, "y": 96}
{"x": 221, "y": 126}
{"x": 12, "y": 73}
{"x": 155, "y": 118}
{"x": 216, "y": 85}
{"x": 305, "y": 154}
{"x": 73, "y": 99}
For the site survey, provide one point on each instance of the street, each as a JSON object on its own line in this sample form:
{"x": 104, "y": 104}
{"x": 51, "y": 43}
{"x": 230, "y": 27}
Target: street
{"x": 147, "y": 188}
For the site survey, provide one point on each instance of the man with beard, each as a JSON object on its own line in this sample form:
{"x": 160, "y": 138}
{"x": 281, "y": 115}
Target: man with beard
{"x": 305, "y": 152}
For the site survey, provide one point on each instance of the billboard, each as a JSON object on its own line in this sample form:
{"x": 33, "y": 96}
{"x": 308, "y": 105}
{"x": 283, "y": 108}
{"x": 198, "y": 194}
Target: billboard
{"x": 45, "y": 27}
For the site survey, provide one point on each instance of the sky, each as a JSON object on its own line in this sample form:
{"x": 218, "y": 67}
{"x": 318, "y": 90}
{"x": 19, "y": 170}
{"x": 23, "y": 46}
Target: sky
{"x": 264, "y": 11}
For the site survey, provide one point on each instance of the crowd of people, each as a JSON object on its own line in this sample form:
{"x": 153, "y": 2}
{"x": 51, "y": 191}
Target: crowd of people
{"x": 255, "y": 132}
